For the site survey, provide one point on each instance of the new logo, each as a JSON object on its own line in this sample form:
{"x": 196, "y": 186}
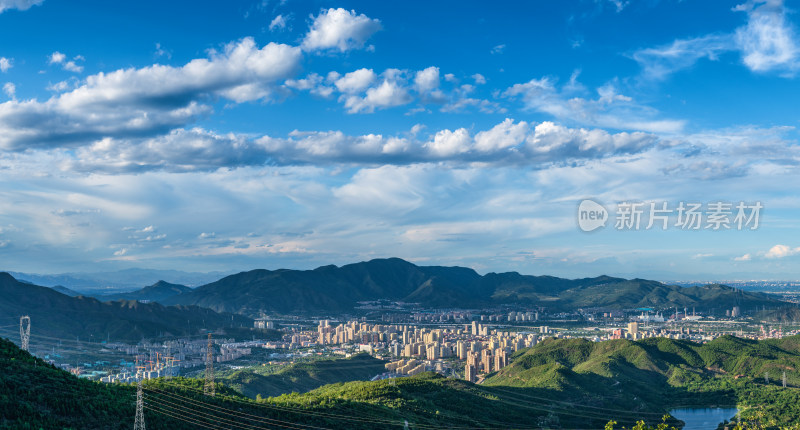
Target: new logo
{"x": 591, "y": 215}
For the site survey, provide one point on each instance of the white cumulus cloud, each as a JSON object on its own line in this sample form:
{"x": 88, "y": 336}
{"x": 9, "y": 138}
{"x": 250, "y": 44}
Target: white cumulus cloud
{"x": 447, "y": 143}
{"x": 501, "y": 136}
{"x": 147, "y": 101}
{"x": 339, "y": 29}
{"x": 357, "y": 81}
{"x": 427, "y": 80}
{"x": 18, "y": 4}
{"x": 57, "y": 58}
{"x": 5, "y": 64}
{"x": 388, "y": 94}
{"x": 68, "y": 65}
{"x": 10, "y": 89}
{"x": 780, "y": 251}
{"x": 507, "y": 143}
{"x": 768, "y": 41}
{"x": 278, "y": 23}
{"x": 559, "y": 142}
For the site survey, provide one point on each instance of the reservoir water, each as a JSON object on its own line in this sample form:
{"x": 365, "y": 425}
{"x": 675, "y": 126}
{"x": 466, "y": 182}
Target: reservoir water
{"x": 703, "y": 418}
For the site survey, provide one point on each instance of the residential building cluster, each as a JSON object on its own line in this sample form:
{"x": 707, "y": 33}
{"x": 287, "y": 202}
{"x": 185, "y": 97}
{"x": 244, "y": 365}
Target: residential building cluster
{"x": 263, "y": 323}
{"x": 408, "y": 367}
{"x": 161, "y": 369}
{"x": 166, "y": 359}
{"x": 481, "y": 349}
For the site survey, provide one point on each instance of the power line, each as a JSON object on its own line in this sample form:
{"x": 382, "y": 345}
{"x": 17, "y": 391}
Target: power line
{"x": 62, "y": 339}
{"x": 311, "y": 413}
{"x": 202, "y": 415}
{"x": 218, "y": 409}
{"x": 567, "y": 404}
{"x": 179, "y": 418}
{"x": 199, "y": 416}
{"x": 558, "y": 410}
{"x": 548, "y": 408}
{"x": 568, "y": 409}
{"x": 340, "y": 417}
{"x": 60, "y": 342}
{"x": 362, "y": 420}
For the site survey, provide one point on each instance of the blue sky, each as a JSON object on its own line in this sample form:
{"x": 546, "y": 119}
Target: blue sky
{"x": 208, "y": 136}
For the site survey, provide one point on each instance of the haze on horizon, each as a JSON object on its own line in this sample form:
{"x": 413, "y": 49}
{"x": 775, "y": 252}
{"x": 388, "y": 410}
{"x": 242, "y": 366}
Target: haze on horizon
{"x": 228, "y": 137}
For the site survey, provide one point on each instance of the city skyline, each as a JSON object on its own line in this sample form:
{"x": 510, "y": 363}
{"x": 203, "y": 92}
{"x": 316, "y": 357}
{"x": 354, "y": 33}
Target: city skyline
{"x": 226, "y": 137}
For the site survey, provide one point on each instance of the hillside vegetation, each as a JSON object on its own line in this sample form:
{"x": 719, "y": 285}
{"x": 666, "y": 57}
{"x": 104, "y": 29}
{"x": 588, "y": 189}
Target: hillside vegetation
{"x": 557, "y": 384}
{"x": 657, "y": 374}
{"x": 302, "y": 377}
{"x": 36, "y": 395}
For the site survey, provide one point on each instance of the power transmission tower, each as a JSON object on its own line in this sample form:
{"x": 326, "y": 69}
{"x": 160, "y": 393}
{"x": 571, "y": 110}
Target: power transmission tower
{"x": 25, "y": 331}
{"x": 139, "y": 423}
{"x": 784, "y": 379}
{"x": 766, "y": 377}
{"x": 208, "y": 388}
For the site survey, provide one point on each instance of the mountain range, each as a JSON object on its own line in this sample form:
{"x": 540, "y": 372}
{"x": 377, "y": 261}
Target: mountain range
{"x": 57, "y": 315}
{"x": 339, "y": 289}
{"x": 331, "y": 289}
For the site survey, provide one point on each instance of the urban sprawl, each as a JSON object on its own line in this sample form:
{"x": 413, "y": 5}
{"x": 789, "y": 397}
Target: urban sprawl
{"x": 463, "y": 344}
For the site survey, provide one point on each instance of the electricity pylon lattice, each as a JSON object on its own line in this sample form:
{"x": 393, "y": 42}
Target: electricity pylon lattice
{"x": 138, "y": 424}
{"x": 24, "y": 331}
{"x": 208, "y": 388}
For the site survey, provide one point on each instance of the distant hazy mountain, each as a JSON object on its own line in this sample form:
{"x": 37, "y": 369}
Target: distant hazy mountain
{"x": 60, "y": 316}
{"x": 120, "y": 281}
{"x": 332, "y": 288}
{"x": 157, "y": 292}
{"x": 66, "y": 291}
